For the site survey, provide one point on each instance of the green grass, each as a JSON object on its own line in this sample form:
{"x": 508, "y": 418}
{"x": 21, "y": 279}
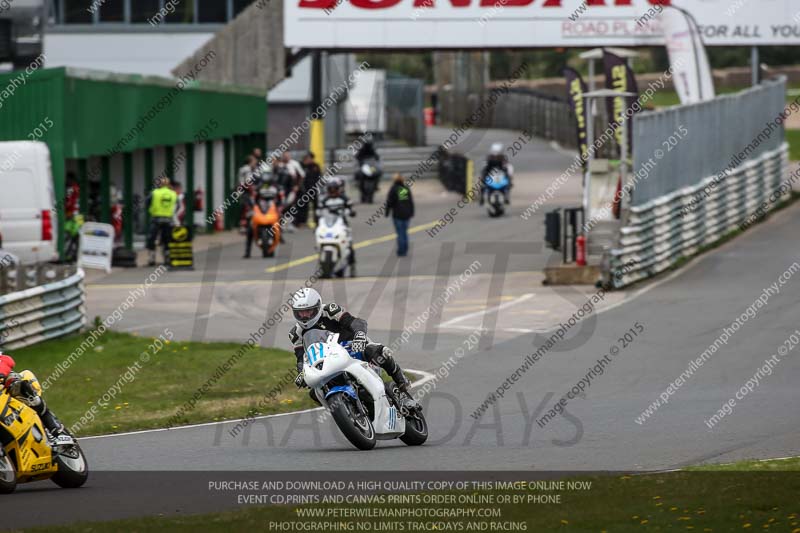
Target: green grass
{"x": 791, "y": 464}
{"x": 756, "y": 496}
{"x": 161, "y": 385}
{"x": 793, "y": 138}
{"x": 666, "y": 98}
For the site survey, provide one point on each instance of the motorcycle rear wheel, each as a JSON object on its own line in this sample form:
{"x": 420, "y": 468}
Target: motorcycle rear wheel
{"x": 73, "y": 469}
{"x": 355, "y": 426}
{"x": 8, "y": 475}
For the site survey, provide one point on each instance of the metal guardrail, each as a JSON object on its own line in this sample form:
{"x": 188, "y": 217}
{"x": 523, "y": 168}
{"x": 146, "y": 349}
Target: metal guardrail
{"x": 714, "y": 131}
{"x": 43, "y": 312}
{"x": 666, "y": 229}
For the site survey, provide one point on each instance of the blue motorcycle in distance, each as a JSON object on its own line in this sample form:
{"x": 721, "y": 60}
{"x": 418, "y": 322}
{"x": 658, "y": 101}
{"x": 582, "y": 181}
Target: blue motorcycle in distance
{"x": 497, "y": 183}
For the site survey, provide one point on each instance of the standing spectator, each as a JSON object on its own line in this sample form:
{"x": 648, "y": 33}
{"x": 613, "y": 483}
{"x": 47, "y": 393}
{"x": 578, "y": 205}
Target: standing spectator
{"x": 248, "y": 173}
{"x": 162, "y": 208}
{"x": 310, "y": 181}
{"x": 72, "y": 195}
{"x": 290, "y": 177}
{"x": 401, "y": 205}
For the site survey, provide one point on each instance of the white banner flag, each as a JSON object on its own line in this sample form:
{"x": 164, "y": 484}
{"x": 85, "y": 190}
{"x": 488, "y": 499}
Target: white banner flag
{"x": 687, "y": 56}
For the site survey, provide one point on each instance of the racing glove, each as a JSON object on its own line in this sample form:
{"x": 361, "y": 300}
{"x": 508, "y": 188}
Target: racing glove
{"x": 359, "y": 343}
{"x": 300, "y": 381}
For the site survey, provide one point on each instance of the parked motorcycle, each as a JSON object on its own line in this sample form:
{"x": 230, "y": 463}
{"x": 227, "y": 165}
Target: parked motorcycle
{"x": 368, "y": 177}
{"x": 30, "y": 453}
{"x": 364, "y": 407}
{"x": 266, "y": 222}
{"x": 333, "y": 241}
{"x": 496, "y": 184}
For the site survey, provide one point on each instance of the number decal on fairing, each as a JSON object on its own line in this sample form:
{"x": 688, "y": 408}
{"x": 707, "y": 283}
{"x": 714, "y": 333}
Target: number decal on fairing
{"x": 315, "y": 352}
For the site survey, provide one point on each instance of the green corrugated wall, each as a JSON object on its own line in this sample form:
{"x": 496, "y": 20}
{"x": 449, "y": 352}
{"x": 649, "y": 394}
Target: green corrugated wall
{"x": 96, "y": 113}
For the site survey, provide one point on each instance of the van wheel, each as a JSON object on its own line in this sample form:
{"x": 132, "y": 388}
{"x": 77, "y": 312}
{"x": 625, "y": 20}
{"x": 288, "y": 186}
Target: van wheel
{"x": 8, "y": 474}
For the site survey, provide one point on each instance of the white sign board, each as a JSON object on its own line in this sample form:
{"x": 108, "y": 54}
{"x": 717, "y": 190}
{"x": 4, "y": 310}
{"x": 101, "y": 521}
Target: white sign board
{"x": 366, "y": 109}
{"x": 96, "y": 246}
{"x": 442, "y": 24}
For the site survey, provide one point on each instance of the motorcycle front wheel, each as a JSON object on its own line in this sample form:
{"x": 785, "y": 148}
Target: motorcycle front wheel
{"x": 326, "y": 265}
{"x": 416, "y": 430}
{"x": 355, "y": 425}
{"x": 8, "y": 475}
{"x": 73, "y": 469}
{"x": 266, "y": 242}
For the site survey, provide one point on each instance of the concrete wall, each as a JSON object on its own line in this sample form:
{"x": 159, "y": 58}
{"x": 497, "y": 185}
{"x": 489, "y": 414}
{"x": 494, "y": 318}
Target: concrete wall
{"x": 249, "y": 49}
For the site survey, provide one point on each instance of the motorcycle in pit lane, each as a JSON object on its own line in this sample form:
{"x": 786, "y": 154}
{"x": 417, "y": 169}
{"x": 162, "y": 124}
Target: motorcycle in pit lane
{"x": 367, "y": 178}
{"x": 29, "y": 453}
{"x": 364, "y": 407}
{"x": 266, "y": 222}
{"x": 333, "y": 240}
{"x": 496, "y": 184}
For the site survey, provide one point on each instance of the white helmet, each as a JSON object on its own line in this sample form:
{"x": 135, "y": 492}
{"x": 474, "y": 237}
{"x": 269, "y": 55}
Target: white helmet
{"x": 307, "y": 307}
{"x": 496, "y": 149}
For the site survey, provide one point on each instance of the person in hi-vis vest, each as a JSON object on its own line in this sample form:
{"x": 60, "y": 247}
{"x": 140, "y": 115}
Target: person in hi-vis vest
{"x": 162, "y": 208}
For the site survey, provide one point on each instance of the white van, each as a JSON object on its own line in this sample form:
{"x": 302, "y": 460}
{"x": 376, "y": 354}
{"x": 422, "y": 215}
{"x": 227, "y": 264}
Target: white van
{"x": 28, "y": 220}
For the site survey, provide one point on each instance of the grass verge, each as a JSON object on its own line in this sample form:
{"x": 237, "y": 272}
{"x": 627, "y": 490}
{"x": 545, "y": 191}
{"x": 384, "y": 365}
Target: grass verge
{"x": 746, "y": 496}
{"x": 793, "y": 138}
{"x": 113, "y": 386}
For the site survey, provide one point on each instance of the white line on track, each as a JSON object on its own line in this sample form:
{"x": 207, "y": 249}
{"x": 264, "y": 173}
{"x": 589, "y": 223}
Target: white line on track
{"x": 483, "y": 312}
{"x": 426, "y": 377}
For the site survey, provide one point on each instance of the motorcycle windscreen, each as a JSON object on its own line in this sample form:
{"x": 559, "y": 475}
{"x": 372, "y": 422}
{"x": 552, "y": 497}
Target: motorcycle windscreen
{"x": 315, "y": 336}
{"x": 330, "y": 219}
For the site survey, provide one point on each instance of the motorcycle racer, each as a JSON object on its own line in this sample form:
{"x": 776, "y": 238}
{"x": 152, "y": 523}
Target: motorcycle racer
{"x": 310, "y": 313}
{"x": 337, "y": 202}
{"x": 21, "y": 386}
{"x": 496, "y": 160}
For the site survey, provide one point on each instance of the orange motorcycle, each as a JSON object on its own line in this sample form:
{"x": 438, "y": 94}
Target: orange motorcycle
{"x": 266, "y": 222}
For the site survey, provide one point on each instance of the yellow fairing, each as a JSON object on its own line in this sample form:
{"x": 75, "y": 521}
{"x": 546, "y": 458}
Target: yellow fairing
{"x": 23, "y": 437}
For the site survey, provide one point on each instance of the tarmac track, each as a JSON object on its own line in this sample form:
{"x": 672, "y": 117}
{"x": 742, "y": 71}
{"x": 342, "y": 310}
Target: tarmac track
{"x": 681, "y": 315}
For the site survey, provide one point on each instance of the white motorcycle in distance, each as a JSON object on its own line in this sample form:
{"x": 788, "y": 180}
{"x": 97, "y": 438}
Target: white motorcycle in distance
{"x": 364, "y": 407}
{"x": 334, "y": 239}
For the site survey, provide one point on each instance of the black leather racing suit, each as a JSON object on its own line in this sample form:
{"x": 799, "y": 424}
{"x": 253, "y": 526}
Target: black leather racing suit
{"x": 337, "y": 320}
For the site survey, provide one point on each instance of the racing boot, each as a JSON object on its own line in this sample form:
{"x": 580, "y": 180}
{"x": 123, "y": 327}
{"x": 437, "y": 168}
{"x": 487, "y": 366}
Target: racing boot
{"x": 52, "y": 424}
{"x": 407, "y": 402}
{"x": 49, "y": 420}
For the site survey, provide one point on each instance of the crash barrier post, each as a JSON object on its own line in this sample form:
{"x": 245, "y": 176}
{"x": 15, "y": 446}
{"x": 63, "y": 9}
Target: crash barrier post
{"x": 453, "y": 172}
{"x": 96, "y": 246}
{"x": 552, "y": 229}
{"x": 675, "y": 225}
{"x": 43, "y": 312}
{"x": 572, "y": 230}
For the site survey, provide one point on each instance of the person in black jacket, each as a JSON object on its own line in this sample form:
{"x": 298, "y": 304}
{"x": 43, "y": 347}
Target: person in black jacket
{"x": 401, "y": 205}
{"x": 310, "y": 182}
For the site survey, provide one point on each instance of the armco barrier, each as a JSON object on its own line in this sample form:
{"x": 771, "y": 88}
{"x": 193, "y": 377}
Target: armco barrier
{"x": 669, "y": 227}
{"x": 42, "y": 313}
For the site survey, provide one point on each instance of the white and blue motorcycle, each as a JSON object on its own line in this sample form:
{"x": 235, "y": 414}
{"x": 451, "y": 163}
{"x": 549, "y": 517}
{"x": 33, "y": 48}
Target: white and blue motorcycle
{"x": 365, "y": 408}
{"x": 496, "y": 184}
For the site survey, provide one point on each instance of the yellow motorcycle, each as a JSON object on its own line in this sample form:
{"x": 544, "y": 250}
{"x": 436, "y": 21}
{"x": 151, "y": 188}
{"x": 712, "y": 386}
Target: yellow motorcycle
{"x": 29, "y": 453}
